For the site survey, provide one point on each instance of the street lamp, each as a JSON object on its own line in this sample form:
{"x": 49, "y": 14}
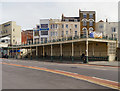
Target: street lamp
{"x": 87, "y": 46}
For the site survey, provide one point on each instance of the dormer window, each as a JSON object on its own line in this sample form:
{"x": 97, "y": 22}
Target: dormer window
{"x": 75, "y": 20}
{"x": 67, "y": 20}
{"x": 84, "y": 15}
{"x": 90, "y": 16}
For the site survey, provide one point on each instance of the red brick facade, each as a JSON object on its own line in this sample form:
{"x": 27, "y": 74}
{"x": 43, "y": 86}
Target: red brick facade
{"x": 27, "y": 36}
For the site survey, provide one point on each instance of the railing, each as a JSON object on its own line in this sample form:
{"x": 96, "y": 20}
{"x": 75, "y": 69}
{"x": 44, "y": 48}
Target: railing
{"x": 64, "y": 39}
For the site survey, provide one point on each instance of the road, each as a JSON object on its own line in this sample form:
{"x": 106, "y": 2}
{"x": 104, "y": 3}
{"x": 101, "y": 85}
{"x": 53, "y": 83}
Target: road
{"x": 27, "y": 74}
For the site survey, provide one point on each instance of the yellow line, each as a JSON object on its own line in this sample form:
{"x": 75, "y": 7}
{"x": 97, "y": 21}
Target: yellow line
{"x": 66, "y": 74}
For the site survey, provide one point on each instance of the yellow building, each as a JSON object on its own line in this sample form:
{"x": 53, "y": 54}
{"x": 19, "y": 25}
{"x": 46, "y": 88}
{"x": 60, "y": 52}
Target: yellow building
{"x": 11, "y": 30}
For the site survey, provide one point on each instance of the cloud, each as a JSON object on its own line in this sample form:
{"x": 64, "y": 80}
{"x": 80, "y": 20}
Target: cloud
{"x": 28, "y": 14}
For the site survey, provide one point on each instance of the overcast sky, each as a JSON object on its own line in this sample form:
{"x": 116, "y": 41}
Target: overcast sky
{"x": 28, "y": 14}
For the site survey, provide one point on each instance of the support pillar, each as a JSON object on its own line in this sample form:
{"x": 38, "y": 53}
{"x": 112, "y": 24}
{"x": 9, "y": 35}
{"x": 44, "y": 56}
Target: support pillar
{"x": 16, "y": 53}
{"x": 43, "y": 52}
{"x": 30, "y": 53}
{"x": 72, "y": 51}
{"x": 86, "y": 51}
{"x": 36, "y": 52}
{"x": 8, "y": 52}
{"x": 51, "y": 53}
{"x": 12, "y": 51}
{"x": 93, "y": 49}
{"x": 61, "y": 55}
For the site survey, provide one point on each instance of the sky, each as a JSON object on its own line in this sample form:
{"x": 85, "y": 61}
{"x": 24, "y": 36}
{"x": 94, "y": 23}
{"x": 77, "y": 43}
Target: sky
{"x": 28, "y": 14}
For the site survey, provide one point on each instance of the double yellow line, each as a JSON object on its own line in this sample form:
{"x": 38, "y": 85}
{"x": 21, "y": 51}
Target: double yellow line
{"x": 106, "y": 83}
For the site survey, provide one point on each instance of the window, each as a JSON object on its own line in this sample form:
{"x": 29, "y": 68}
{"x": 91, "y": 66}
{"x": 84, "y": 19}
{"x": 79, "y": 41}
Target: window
{"x": 75, "y": 26}
{"x": 113, "y": 29}
{"x": 66, "y": 19}
{"x": 41, "y": 39}
{"x": 62, "y": 25}
{"x": 91, "y": 23}
{"x": 84, "y": 15}
{"x": 75, "y": 20}
{"x": 44, "y": 32}
{"x": 101, "y": 26}
{"x": 62, "y": 33}
{"x": 91, "y": 29}
{"x": 45, "y": 39}
{"x": 38, "y": 26}
{"x": 44, "y": 25}
{"x": 14, "y": 41}
{"x": 51, "y": 26}
{"x": 56, "y": 26}
{"x": 51, "y": 33}
{"x": 36, "y": 33}
{"x": 84, "y": 23}
{"x": 90, "y": 16}
{"x": 66, "y": 32}
{"x": 84, "y": 30}
{"x": 66, "y": 25}
{"x": 56, "y": 34}
{"x": 75, "y": 33}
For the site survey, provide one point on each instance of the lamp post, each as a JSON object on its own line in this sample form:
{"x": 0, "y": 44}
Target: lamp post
{"x": 87, "y": 46}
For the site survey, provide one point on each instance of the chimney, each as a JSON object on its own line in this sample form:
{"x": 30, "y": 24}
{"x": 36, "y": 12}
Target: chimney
{"x": 62, "y": 16}
{"x": 79, "y": 12}
{"x": 106, "y": 20}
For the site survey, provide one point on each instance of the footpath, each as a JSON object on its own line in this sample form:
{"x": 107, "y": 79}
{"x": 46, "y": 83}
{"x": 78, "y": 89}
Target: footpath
{"x": 97, "y": 63}
{"x": 104, "y": 63}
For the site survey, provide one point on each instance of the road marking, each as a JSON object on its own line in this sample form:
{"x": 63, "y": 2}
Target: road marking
{"x": 99, "y": 69}
{"x": 94, "y": 80}
{"x": 104, "y": 79}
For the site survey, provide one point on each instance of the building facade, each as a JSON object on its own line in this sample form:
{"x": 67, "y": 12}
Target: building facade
{"x": 27, "y": 37}
{"x": 109, "y": 29}
{"x": 87, "y": 21}
{"x": 63, "y": 29}
{"x": 11, "y": 30}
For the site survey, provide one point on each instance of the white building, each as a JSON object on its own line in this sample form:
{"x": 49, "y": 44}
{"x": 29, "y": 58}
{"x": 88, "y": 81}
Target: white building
{"x": 108, "y": 29}
{"x": 41, "y": 32}
{"x": 11, "y": 31}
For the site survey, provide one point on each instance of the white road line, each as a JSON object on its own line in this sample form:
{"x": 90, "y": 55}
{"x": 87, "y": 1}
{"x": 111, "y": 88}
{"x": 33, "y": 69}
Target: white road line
{"x": 66, "y": 71}
{"x": 92, "y": 68}
{"x": 104, "y": 79}
{"x": 99, "y": 69}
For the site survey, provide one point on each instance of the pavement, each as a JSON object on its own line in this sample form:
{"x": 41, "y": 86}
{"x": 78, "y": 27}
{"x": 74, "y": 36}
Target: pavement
{"x": 104, "y": 63}
{"x": 97, "y": 63}
{"x": 28, "y": 74}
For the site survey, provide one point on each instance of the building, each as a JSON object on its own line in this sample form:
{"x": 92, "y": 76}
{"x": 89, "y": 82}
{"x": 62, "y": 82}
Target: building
{"x": 67, "y": 39}
{"x": 27, "y": 36}
{"x": 11, "y": 30}
{"x": 63, "y": 29}
{"x": 87, "y": 21}
{"x": 108, "y": 29}
{"x": 44, "y": 30}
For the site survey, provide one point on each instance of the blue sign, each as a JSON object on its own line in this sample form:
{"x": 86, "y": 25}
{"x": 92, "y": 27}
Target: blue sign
{"x": 92, "y": 35}
{"x": 6, "y": 25}
{"x": 44, "y": 28}
{"x": 14, "y": 51}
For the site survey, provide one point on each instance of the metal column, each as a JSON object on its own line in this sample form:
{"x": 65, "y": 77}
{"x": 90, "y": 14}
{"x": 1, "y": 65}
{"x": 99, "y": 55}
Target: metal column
{"x": 43, "y": 52}
{"x": 72, "y": 51}
{"x": 36, "y": 52}
{"x": 86, "y": 50}
{"x": 51, "y": 53}
{"x": 61, "y": 52}
{"x": 30, "y": 53}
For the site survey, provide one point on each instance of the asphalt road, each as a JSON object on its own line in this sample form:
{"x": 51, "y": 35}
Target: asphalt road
{"x": 14, "y": 77}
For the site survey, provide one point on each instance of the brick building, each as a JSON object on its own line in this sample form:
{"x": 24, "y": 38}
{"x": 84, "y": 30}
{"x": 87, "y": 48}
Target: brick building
{"x": 27, "y": 36}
